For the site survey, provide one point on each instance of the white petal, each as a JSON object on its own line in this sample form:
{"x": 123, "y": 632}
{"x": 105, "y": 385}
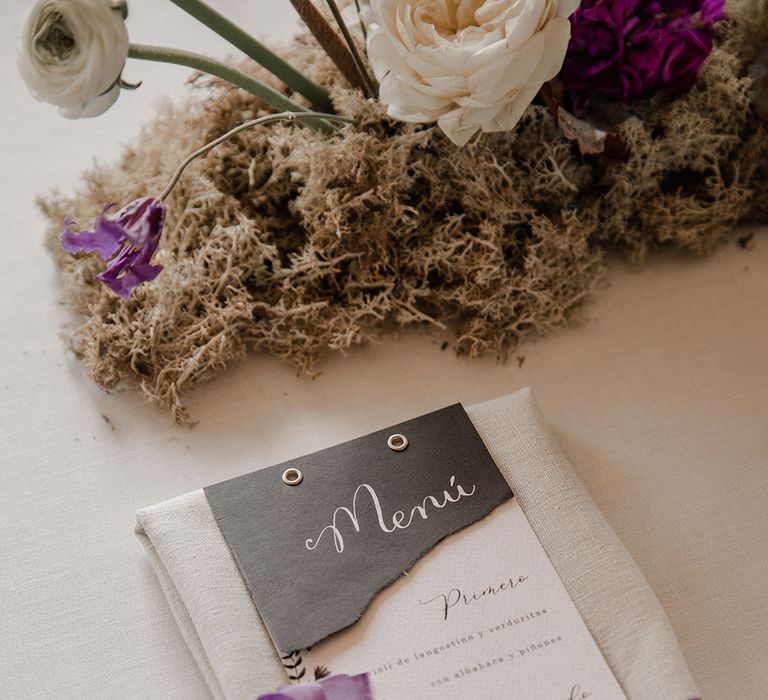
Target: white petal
{"x": 467, "y": 64}
{"x": 524, "y": 25}
{"x": 511, "y": 112}
{"x": 384, "y": 54}
{"x": 453, "y": 127}
{"x": 556, "y": 34}
{"x": 395, "y": 92}
{"x": 565, "y": 8}
{"x": 90, "y": 68}
{"x": 491, "y": 83}
{"x": 93, "y": 107}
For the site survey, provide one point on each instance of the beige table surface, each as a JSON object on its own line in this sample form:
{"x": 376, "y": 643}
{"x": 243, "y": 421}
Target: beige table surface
{"x": 660, "y": 400}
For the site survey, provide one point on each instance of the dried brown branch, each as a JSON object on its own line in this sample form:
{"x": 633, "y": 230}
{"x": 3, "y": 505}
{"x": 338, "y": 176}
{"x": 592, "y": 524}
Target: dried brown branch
{"x": 331, "y": 42}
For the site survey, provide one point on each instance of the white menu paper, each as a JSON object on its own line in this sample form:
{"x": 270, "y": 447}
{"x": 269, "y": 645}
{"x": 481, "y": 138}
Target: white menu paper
{"x": 482, "y": 615}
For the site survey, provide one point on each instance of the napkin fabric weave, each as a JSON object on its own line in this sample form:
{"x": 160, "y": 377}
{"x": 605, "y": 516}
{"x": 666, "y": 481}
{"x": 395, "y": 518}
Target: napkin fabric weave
{"x": 219, "y": 621}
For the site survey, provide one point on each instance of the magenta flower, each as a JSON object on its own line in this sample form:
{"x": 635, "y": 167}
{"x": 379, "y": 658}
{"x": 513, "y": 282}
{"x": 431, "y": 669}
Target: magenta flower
{"x": 631, "y": 49}
{"x": 339, "y": 687}
{"x": 126, "y": 242}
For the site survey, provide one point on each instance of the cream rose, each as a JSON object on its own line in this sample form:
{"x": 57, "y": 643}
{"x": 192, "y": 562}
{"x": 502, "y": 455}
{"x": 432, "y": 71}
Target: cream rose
{"x": 469, "y": 65}
{"x": 72, "y": 53}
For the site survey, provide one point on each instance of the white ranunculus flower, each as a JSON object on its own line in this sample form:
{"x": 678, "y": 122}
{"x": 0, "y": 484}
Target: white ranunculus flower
{"x": 72, "y": 53}
{"x": 469, "y": 65}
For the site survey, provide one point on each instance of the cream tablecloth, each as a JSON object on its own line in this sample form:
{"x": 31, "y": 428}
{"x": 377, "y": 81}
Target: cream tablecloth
{"x": 659, "y": 400}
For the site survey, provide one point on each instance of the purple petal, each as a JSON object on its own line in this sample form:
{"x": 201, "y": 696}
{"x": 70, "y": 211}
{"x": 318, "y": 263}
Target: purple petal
{"x": 633, "y": 49}
{"x": 302, "y": 691}
{"x": 347, "y": 687}
{"x": 712, "y": 11}
{"x": 128, "y": 242}
{"x": 127, "y": 275}
{"x": 105, "y": 242}
{"x": 109, "y": 228}
{"x": 141, "y": 219}
{"x": 340, "y": 687}
{"x": 88, "y": 242}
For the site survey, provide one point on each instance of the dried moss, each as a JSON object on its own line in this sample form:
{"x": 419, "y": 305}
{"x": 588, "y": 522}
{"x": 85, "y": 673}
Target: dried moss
{"x": 290, "y": 243}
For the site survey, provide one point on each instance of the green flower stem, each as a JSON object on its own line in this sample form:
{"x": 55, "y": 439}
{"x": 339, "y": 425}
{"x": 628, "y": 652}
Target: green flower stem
{"x": 293, "y": 78}
{"x": 221, "y": 70}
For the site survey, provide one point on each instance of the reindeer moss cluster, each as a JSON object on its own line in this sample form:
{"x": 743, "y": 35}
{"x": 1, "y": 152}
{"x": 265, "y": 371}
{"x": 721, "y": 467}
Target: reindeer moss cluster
{"x": 287, "y": 242}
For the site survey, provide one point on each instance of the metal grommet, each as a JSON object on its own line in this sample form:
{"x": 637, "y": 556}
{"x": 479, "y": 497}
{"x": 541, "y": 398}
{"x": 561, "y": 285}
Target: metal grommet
{"x": 397, "y": 442}
{"x": 292, "y": 476}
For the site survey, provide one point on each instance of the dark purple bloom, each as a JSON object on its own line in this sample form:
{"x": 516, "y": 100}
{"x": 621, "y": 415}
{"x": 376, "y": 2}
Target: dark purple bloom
{"x": 339, "y": 687}
{"x": 126, "y": 242}
{"x": 631, "y": 49}
{"x": 712, "y": 11}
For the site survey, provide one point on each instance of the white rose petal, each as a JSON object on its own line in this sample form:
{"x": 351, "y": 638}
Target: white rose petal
{"x": 469, "y": 65}
{"x": 93, "y": 107}
{"x": 72, "y": 53}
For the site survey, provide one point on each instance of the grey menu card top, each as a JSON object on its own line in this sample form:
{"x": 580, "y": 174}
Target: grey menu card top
{"x": 315, "y": 554}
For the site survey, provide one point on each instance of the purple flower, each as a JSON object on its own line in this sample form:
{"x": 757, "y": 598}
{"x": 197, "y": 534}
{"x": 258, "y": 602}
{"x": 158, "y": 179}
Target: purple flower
{"x": 127, "y": 242}
{"x": 339, "y": 687}
{"x": 631, "y": 49}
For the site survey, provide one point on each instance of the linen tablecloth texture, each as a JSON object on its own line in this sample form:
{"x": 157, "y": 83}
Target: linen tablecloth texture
{"x": 221, "y": 625}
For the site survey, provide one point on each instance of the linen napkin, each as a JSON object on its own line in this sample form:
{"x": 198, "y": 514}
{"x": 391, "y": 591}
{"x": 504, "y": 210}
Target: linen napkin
{"x": 220, "y": 623}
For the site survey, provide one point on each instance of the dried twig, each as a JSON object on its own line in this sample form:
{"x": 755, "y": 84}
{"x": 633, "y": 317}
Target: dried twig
{"x": 370, "y": 85}
{"x": 331, "y": 42}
